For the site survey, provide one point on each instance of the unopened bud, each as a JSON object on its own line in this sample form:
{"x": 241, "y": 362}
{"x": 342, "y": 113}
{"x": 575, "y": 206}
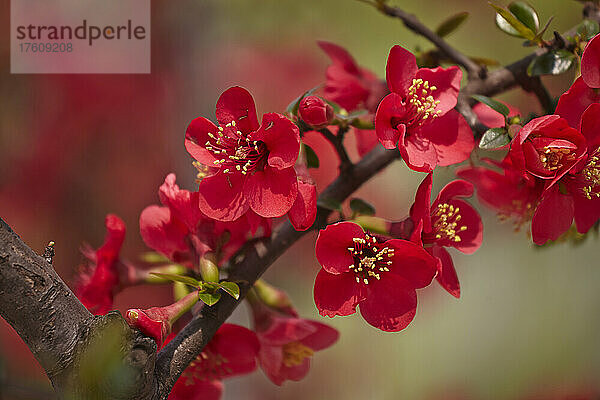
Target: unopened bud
{"x": 314, "y": 111}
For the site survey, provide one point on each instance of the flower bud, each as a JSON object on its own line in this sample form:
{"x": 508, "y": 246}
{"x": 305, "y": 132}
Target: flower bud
{"x": 314, "y": 111}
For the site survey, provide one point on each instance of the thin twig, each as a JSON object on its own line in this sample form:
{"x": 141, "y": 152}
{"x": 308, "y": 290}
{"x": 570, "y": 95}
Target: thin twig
{"x": 337, "y": 142}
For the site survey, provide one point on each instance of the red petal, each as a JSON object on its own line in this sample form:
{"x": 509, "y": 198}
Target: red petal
{"x": 411, "y": 262}
{"x": 390, "y": 107}
{"x": 590, "y": 126}
{"x": 573, "y": 102}
{"x": 391, "y": 303}
{"x": 236, "y": 104}
{"x": 339, "y": 56}
{"x": 456, "y": 188}
{"x": 304, "y": 211}
{"x": 336, "y": 294}
{"x": 418, "y": 152}
{"x": 238, "y": 346}
{"x": 553, "y": 216}
{"x": 161, "y": 233}
{"x": 220, "y": 197}
{"x": 447, "y": 82}
{"x": 196, "y": 137}
{"x": 188, "y": 388}
{"x": 421, "y": 208}
{"x": 282, "y": 139}
{"x": 366, "y": 140}
{"x": 447, "y": 274}
{"x": 332, "y": 246}
{"x": 451, "y": 137}
{"x": 401, "y": 69}
{"x": 271, "y": 192}
{"x": 323, "y": 337}
{"x": 471, "y": 238}
{"x": 590, "y": 63}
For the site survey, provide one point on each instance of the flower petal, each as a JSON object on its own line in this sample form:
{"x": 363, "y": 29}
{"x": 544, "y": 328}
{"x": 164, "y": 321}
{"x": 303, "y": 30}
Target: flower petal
{"x": 220, "y": 197}
{"x": 304, "y": 211}
{"x": 332, "y": 246}
{"x": 336, "y": 294}
{"x": 411, "y": 262}
{"x": 553, "y": 216}
{"x": 400, "y": 70}
{"x": 236, "y": 104}
{"x": 271, "y": 192}
{"x": 446, "y": 276}
{"x": 390, "y": 108}
{"x": 590, "y": 126}
{"x": 196, "y": 136}
{"x": 590, "y": 63}
{"x": 421, "y": 208}
{"x": 391, "y": 303}
{"x": 447, "y": 83}
{"x": 451, "y": 136}
{"x": 574, "y": 101}
{"x": 282, "y": 139}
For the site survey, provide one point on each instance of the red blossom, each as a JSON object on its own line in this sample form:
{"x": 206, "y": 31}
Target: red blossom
{"x": 448, "y": 222}
{"x": 96, "y": 286}
{"x": 547, "y": 148}
{"x": 314, "y": 111}
{"x": 180, "y": 231}
{"x": 353, "y": 88}
{"x": 418, "y": 116}
{"x": 380, "y": 276}
{"x": 304, "y": 211}
{"x": 509, "y": 193}
{"x": 248, "y": 166}
{"x": 232, "y": 351}
{"x": 492, "y": 118}
{"x": 288, "y": 342}
{"x": 574, "y": 101}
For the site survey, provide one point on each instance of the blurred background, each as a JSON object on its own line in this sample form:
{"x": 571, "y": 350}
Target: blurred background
{"x": 76, "y": 147}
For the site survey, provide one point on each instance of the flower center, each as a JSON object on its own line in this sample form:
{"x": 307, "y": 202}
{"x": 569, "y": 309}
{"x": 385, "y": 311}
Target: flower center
{"x": 419, "y": 96}
{"x": 235, "y": 152}
{"x": 294, "y": 353}
{"x": 552, "y": 157}
{"x": 369, "y": 260}
{"x": 447, "y": 222}
{"x": 591, "y": 175}
{"x": 207, "y": 366}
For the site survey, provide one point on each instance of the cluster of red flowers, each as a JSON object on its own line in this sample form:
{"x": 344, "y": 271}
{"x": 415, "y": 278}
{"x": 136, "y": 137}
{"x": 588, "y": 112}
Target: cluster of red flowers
{"x": 551, "y": 174}
{"x": 251, "y": 173}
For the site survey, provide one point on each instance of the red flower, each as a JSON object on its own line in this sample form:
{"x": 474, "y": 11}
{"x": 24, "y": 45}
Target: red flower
{"x": 349, "y": 85}
{"x": 287, "y": 342}
{"x": 231, "y": 352}
{"x": 509, "y": 193}
{"x": 314, "y": 111}
{"x": 183, "y": 234}
{"x": 590, "y": 63}
{"x": 492, "y": 118}
{"x": 248, "y": 166}
{"x": 304, "y": 211}
{"x": 97, "y": 286}
{"x": 448, "y": 222}
{"x": 574, "y": 102}
{"x": 353, "y": 88}
{"x": 577, "y": 195}
{"x": 547, "y": 148}
{"x": 418, "y": 115}
{"x": 380, "y": 276}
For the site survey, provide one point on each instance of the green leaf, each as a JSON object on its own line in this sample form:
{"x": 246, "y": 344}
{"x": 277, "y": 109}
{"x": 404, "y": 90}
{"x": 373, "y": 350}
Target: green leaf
{"x": 153, "y": 257}
{"x": 507, "y": 22}
{"x": 231, "y": 288}
{"x": 312, "y": 160}
{"x": 188, "y": 280}
{"x": 493, "y": 104}
{"x": 494, "y": 138}
{"x": 329, "y": 204}
{"x": 361, "y": 207}
{"x": 587, "y": 29}
{"x": 554, "y": 62}
{"x": 209, "y": 298}
{"x": 525, "y": 14}
{"x": 451, "y": 24}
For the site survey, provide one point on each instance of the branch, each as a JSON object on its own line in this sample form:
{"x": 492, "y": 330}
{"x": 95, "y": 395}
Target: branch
{"x": 187, "y": 345}
{"x": 337, "y": 142}
{"x": 413, "y": 23}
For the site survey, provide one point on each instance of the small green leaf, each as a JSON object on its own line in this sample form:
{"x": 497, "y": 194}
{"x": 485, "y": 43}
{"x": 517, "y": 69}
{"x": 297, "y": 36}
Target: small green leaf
{"x": 231, "y": 288}
{"x": 587, "y": 29}
{"x": 554, "y": 62}
{"x": 361, "y": 207}
{"x": 494, "y": 138}
{"x": 329, "y": 204}
{"x": 507, "y": 22}
{"x": 312, "y": 160}
{"x": 209, "y": 298}
{"x": 493, "y": 104}
{"x": 188, "y": 280}
{"x": 451, "y": 24}
{"x": 525, "y": 14}
{"x": 153, "y": 257}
